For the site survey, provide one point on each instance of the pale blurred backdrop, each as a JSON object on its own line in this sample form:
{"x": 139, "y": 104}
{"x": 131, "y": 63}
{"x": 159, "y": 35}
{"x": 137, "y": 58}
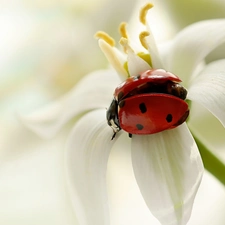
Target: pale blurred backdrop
{"x": 46, "y": 47}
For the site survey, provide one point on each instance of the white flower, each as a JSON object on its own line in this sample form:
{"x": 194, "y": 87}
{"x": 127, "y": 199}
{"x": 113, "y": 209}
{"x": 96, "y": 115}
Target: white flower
{"x": 167, "y": 165}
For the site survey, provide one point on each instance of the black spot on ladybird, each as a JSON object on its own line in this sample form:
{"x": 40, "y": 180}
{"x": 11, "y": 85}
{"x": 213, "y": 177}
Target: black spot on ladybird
{"x": 122, "y": 103}
{"x": 169, "y": 118}
{"x": 143, "y": 108}
{"x": 120, "y": 95}
{"x": 139, "y": 126}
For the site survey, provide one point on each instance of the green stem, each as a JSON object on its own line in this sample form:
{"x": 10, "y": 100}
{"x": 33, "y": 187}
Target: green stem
{"x": 211, "y": 162}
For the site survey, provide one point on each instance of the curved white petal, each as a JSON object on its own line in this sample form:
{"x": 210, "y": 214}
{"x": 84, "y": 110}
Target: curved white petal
{"x": 208, "y": 89}
{"x": 92, "y": 92}
{"x": 86, "y": 159}
{"x": 115, "y": 58}
{"x": 154, "y": 53}
{"x": 192, "y": 45}
{"x": 168, "y": 169}
{"x": 136, "y": 65}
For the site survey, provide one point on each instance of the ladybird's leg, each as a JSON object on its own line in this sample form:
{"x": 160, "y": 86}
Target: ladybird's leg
{"x": 114, "y": 135}
{"x": 130, "y": 135}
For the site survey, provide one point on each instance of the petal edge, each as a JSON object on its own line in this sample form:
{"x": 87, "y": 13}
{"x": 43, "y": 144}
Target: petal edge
{"x": 86, "y": 159}
{"x": 208, "y": 89}
{"x": 168, "y": 169}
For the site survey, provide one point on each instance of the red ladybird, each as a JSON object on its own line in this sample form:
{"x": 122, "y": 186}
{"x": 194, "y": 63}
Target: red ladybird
{"x": 148, "y": 103}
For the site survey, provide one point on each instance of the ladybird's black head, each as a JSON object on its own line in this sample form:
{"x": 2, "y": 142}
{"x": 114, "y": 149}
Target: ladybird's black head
{"x": 112, "y": 117}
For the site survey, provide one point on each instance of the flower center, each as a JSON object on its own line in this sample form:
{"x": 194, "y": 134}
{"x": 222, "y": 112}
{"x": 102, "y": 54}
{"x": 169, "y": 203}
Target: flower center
{"x": 146, "y": 57}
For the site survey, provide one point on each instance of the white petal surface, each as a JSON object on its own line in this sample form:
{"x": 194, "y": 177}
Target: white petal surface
{"x": 154, "y": 53}
{"x": 168, "y": 169}
{"x": 192, "y": 45}
{"x": 208, "y": 89}
{"x": 136, "y": 65}
{"x": 92, "y": 92}
{"x": 115, "y": 58}
{"x": 87, "y": 155}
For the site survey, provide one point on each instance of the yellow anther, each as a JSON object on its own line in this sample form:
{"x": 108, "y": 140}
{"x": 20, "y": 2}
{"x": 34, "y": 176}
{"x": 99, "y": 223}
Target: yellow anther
{"x": 123, "y": 30}
{"x": 105, "y": 37}
{"x": 144, "y": 11}
{"x": 142, "y": 37}
{"x": 114, "y": 58}
{"x": 124, "y": 42}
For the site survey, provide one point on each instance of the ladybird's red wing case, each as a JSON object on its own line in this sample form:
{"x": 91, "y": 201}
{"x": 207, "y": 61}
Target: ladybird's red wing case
{"x": 151, "y": 113}
{"x": 156, "y": 76}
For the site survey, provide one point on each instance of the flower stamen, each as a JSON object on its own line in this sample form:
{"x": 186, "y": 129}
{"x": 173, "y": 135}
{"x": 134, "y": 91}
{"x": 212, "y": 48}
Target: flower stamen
{"x": 142, "y": 37}
{"x": 123, "y": 30}
{"x": 125, "y": 44}
{"x": 108, "y": 39}
{"x": 143, "y": 12}
{"x": 114, "y": 58}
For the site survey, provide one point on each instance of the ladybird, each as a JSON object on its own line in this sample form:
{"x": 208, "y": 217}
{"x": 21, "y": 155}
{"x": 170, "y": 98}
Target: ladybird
{"x": 148, "y": 103}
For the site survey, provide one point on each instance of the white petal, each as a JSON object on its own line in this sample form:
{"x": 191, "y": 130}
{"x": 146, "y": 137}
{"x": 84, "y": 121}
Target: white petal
{"x": 92, "y": 92}
{"x": 136, "y": 65}
{"x": 154, "y": 53}
{"x": 193, "y": 44}
{"x": 87, "y": 154}
{"x": 208, "y": 89}
{"x": 114, "y": 57}
{"x": 168, "y": 169}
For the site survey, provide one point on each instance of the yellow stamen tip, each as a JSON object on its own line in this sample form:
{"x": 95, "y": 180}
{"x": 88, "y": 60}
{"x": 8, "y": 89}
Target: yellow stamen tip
{"x": 105, "y": 37}
{"x": 142, "y": 37}
{"x": 144, "y": 11}
{"x": 123, "y": 30}
{"x": 124, "y": 43}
